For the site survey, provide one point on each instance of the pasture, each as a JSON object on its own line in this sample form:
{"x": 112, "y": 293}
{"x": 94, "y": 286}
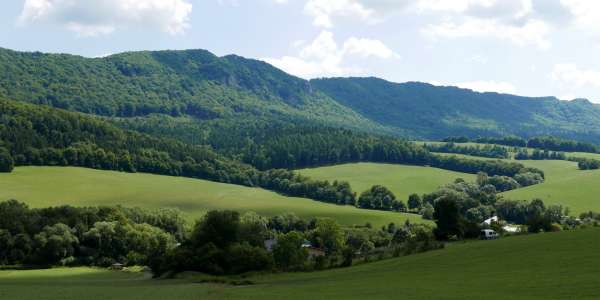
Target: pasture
{"x": 402, "y": 180}
{"x": 52, "y": 186}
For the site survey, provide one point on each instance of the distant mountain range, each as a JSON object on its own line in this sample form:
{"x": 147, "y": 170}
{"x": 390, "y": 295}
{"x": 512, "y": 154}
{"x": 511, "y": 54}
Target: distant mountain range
{"x": 200, "y": 98}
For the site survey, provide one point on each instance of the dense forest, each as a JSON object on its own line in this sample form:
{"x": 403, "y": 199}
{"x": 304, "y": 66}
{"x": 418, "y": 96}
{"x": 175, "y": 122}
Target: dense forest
{"x": 548, "y": 143}
{"x": 434, "y": 112}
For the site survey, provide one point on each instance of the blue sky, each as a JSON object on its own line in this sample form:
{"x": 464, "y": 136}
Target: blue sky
{"x": 527, "y": 47}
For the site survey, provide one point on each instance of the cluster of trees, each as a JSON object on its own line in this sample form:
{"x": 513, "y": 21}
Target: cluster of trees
{"x": 491, "y": 167}
{"x": 86, "y": 236}
{"x": 225, "y": 242}
{"x": 549, "y": 143}
{"x": 222, "y": 242}
{"x": 380, "y": 198}
{"x": 524, "y": 154}
{"x": 586, "y": 163}
{"x": 491, "y": 151}
{"x": 535, "y": 214}
{"x": 460, "y": 208}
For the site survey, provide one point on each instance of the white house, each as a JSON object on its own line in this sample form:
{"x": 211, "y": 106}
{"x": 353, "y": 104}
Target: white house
{"x": 489, "y": 221}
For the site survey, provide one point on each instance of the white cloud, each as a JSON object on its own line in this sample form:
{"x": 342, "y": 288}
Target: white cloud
{"x": 101, "y": 17}
{"x": 534, "y": 32}
{"x": 586, "y": 13}
{"x": 483, "y": 86}
{"x": 571, "y": 80}
{"x": 323, "y": 12}
{"x": 489, "y": 86}
{"x": 570, "y": 76}
{"x": 367, "y": 48}
{"x": 323, "y": 56}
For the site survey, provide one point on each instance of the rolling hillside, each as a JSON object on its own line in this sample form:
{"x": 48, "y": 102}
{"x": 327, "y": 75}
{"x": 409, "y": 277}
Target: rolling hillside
{"x": 195, "y": 96}
{"x": 559, "y": 265}
{"x": 54, "y": 186}
{"x": 402, "y": 180}
{"x": 434, "y": 112}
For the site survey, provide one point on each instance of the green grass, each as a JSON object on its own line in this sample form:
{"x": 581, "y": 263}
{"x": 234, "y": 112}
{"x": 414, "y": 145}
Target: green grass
{"x": 51, "y": 186}
{"x": 547, "y": 266}
{"x": 565, "y": 185}
{"x": 402, "y": 180}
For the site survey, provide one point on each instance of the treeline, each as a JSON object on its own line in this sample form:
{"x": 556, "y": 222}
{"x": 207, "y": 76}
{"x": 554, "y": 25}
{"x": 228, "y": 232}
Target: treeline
{"x": 536, "y": 154}
{"x": 549, "y": 143}
{"x": 86, "y": 236}
{"x": 491, "y": 151}
{"x": 222, "y": 242}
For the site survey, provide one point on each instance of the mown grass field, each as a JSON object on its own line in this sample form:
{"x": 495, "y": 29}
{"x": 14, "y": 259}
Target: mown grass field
{"x": 563, "y": 265}
{"x": 402, "y": 180}
{"x": 52, "y": 186}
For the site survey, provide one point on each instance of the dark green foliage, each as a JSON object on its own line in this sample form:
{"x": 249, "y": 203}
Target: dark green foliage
{"x": 535, "y": 214}
{"x": 328, "y": 235}
{"x": 540, "y": 155}
{"x": 586, "y": 163}
{"x": 377, "y": 197}
{"x": 414, "y": 202}
{"x": 289, "y": 253}
{"x": 512, "y": 141}
{"x": 558, "y": 144}
{"x": 89, "y": 236}
{"x": 491, "y": 151}
{"x": 221, "y": 228}
{"x": 431, "y": 112}
{"x": 447, "y": 218}
{"x": 528, "y": 178}
{"x": 6, "y": 161}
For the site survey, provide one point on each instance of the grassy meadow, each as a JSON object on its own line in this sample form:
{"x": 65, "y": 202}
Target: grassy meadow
{"x": 52, "y": 186}
{"x": 565, "y": 184}
{"x": 562, "y": 265}
{"x": 402, "y": 180}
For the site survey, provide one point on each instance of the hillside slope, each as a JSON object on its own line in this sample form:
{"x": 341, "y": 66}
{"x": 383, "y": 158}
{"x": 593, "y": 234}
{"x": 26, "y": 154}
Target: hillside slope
{"x": 435, "y": 112}
{"x": 193, "y": 86}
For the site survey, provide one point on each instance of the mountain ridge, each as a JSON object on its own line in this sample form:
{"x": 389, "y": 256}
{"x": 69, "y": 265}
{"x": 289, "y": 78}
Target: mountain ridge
{"x": 198, "y": 91}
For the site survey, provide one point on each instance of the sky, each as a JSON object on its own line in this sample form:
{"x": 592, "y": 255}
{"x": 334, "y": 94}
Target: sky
{"x": 525, "y": 47}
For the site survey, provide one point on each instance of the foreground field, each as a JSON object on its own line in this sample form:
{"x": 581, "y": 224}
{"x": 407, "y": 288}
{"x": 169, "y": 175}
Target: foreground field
{"x": 51, "y": 186}
{"x": 402, "y": 180}
{"x": 561, "y": 265}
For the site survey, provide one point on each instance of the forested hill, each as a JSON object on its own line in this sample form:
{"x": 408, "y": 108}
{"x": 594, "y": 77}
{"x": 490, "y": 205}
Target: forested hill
{"x": 434, "y": 112}
{"x": 231, "y": 102}
{"x": 192, "y": 85}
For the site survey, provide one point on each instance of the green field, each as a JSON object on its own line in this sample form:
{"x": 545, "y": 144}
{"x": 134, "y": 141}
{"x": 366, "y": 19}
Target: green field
{"x": 402, "y": 180}
{"x": 565, "y": 184}
{"x": 51, "y": 186}
{"x": 563, "y": 265}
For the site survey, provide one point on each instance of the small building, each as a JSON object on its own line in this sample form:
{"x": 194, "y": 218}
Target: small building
{"x": 489, "y": 221}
